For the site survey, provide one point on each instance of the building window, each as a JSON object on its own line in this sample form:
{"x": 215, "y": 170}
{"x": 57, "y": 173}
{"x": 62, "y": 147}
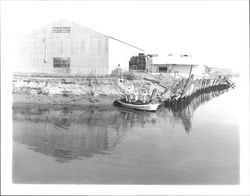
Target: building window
{"x": 163, "y": 69}
{"x": 61, "y": 29}
{"x": 61, "y": 62}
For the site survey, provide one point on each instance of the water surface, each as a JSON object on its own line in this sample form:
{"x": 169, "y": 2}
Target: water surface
{"x": 194, "y": 142}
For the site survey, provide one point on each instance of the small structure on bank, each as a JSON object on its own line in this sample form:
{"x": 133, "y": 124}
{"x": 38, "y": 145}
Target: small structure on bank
{"x": 182, "y": 64}
{"x": 142, "y": 63}
{"x": 220, "y": 71}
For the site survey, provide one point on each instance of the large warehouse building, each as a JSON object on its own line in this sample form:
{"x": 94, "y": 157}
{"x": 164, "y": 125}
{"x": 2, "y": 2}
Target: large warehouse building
{"x": 65, "y": 47}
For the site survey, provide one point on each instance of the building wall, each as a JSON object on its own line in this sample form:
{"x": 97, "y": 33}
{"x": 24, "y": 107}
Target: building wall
{"x": 219, "y": 70}
{"x": 87, "y": 49}
{"x": 120, "y": 53}
{"x": 185, "y": 69}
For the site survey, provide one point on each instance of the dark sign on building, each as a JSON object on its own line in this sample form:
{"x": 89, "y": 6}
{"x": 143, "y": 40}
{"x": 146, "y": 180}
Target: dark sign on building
{"x": 61, "y": 29}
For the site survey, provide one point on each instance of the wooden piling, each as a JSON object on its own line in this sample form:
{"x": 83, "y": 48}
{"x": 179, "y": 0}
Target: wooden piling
{"x": 190, "y": 86}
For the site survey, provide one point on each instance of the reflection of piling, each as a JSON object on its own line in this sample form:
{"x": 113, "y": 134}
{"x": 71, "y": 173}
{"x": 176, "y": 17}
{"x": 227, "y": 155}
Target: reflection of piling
{"x": 191, "y": 86}
{"x": 184, "y": 108}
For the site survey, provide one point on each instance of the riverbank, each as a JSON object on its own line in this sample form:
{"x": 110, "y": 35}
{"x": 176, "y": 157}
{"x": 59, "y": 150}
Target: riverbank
{"x": 78, "y": 91}
{"x": 73, "y": 100}
{"x": 104, "y": 91}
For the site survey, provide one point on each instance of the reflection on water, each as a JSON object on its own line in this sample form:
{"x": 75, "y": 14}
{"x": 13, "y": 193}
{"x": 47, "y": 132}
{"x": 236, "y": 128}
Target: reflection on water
{"x": 120, "y": 137}
{"x": 69, "y": 133}
{"x": 185, "y": 108}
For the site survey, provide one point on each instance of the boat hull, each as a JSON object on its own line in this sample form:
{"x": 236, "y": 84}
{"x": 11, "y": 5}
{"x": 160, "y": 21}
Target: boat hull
{"x": 144, "y": 107}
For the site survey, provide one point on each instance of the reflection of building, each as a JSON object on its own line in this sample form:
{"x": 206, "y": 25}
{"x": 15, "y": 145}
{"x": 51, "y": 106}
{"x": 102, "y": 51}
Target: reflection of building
{"x": 66, "y": 47}
{"x": 62, "y": 143}
{"x": 69, "y": 133}
{"x": 59, "y": 134}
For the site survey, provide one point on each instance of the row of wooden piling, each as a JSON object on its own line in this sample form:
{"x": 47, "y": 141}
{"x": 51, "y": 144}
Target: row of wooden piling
{"x": 189, "y": 86}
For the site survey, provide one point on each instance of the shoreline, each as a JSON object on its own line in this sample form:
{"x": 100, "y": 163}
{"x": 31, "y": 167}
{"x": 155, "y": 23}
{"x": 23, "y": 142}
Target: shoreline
{"x": 103, "y": 92}
{"x": 56, "y": 100}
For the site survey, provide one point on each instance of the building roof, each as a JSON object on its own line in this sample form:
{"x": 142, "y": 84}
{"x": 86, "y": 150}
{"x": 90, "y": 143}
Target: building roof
{"x": 125, "y": 43}
{"x": 180, "y": 59}
{"x": 65, "y": 22}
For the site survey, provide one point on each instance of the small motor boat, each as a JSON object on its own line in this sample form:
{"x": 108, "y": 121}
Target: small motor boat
{"x": 140, "y": 106}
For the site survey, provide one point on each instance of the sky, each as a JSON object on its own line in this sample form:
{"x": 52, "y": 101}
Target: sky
{"x": 215, "y": 33}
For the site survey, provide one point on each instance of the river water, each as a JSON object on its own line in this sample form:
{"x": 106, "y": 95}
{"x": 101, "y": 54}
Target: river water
{"x": 196, "y": 142}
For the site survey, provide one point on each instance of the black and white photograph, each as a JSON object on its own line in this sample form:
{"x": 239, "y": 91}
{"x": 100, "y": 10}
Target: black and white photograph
{"x": 125, "y": 97}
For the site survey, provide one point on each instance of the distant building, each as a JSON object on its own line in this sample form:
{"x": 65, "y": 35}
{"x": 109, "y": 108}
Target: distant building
{"x": 187, "y": 68}
{"x": 65, "y": 47}
{"x": 217, "y": 70}
{"x": 181, "y": 64}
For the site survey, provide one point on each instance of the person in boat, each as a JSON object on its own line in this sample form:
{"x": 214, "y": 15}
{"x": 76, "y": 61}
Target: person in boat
{"x": 129, "y": 98}
{"x": 141, "y": 98}
{"x": 144, "y": 99}
{"x": 136, "y": 98}
{"x": 132, "y": 98}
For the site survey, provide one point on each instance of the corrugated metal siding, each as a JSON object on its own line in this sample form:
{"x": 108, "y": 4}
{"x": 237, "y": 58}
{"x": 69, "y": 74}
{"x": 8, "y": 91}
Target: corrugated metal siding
{"x": 87, "y": 49}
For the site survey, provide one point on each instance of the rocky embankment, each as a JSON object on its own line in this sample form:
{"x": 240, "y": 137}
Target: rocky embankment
{"x": 77, "y": 90}
{"x": 81, "y": 91}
